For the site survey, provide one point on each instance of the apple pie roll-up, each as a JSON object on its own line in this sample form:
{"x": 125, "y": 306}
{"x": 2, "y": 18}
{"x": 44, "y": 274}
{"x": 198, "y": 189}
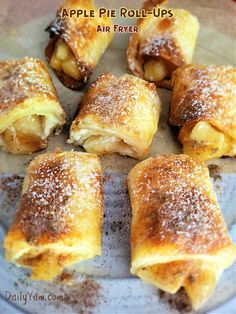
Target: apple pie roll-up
{"x": 117, "y": 115}
{"x": 204, "y": 107}
{"x": 162, "y": 44}
{"x": 29, "y": 106}
{"x": 59, "y": 219}
{"x": 178, "y": 234}
{"x": 76, "y": 46}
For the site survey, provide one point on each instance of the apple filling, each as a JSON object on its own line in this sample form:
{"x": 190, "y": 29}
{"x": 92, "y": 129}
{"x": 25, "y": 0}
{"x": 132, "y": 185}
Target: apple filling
{"x": 206, "y": 142}
{"x": 107, "y": 144}
{"x": 155, "y": 70}
{"x": 63, "y": 60}
{"x": 26, "y": 135}
{"x": 101, "y": 144}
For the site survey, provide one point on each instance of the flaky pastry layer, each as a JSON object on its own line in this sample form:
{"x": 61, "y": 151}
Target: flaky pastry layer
{"x": 162, "y": 44}
{"x": 203, "y": 106}
{"x": 29, "y": 106}
{"x": 59, "y": 219}
{"x": 117, "y": 115}
{"x": 76, "y": 47}
{"x": 178, "y": 234}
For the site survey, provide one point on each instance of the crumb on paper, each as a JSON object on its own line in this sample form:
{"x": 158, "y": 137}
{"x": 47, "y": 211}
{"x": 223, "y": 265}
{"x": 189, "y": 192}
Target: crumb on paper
{"x": 178, "y": 301}
{"x": 214, "y": 171}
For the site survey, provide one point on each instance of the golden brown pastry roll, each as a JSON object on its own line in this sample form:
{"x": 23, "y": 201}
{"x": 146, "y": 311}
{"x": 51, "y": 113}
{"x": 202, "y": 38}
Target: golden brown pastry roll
{"x": 59, "y": 219}
{"x": 76, "y": 47}
{"x": 162, "y": 43}
{"x": 178, "y": 234}
{"x": 204, "y": 107}
{"x": 29, "y": 106}
{"x": 117, "y": 115}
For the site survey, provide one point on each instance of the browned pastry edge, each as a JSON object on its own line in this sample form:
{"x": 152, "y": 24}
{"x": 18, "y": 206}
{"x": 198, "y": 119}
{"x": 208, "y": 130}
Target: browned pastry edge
{"x": 55, "y": 29}
{"x": 202, "y": 95}
{"x": 134, "y": 64}
{"x": 137, "y": 59}
{"x": 165, "y": 84}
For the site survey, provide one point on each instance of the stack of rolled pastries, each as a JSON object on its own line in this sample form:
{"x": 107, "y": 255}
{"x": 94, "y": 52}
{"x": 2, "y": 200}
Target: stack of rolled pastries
{"x": 178, "y": 234}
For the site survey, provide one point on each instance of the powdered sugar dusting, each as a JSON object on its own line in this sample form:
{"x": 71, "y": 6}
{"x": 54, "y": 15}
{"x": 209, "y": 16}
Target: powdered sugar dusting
{"x": 111, "y": 99}
{"x": 204, "y": 92}
{"x": 21, "y": 79}
{"x": 162, "y": 46}
{"x": 49, "y": 204}
{"x": 178, "y": 206}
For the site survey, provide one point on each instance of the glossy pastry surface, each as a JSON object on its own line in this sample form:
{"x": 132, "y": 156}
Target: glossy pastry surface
{"x": 162, "y": 44}
{"x": 59, "y": 218}
{"x": 76, "y": 47}
{"x": 178, "y": 234}
{"x": 204, "y": 106}
{"x": 117, "y": 115}
{"x": 29, "y": 106}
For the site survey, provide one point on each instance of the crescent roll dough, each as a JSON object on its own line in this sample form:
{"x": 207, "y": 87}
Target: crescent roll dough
{"x": 59, "y": 219}
{"x": 204, "y": 107}
{"x": 162, "y": 43}
{"x": 29, "y": 107}
{"x": 76, "y": 47}
{"x": 117, "y": 115}
{"x": 178, "y": 234}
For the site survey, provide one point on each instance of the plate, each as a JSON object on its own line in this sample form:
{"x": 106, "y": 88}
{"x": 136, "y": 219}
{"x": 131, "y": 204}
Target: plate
{"x": 104, "y": 284}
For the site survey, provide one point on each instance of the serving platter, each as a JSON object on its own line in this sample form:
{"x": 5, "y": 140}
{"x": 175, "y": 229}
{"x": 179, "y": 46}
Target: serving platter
{"x": 104, "y": 285}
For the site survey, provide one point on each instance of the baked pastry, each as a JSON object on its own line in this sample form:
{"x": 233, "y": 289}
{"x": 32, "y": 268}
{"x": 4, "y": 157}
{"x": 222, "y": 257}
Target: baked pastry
{"x": 162, "y": 44}
{"x": 29, "y": 106}
{"x": 204, "y": 107}
{"x": 59, "y": 219}
{"x": 76, "y": 46}
{"x": 178, "y": 234}
{"x": 117, "y": 115}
